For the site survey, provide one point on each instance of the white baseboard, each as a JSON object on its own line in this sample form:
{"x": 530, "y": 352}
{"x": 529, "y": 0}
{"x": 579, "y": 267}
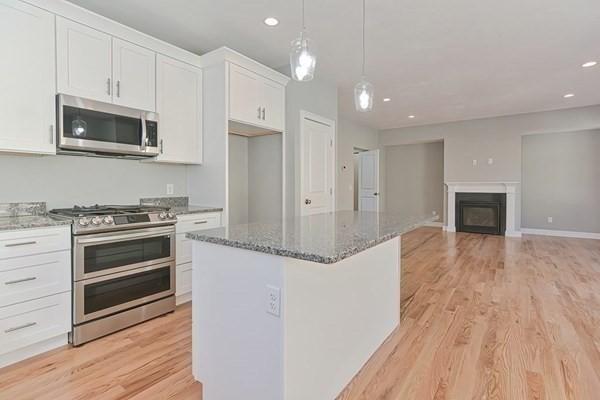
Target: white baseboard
{"x": 571, "y": 234}
{"x": 449, "y": 229}
{"x": 515, "y": 234}
{"x": 434, "y": 224}
{"x": 184, "y": 298}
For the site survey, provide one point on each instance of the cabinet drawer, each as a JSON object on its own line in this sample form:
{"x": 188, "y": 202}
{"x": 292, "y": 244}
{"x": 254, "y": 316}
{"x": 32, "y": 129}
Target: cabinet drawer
{"x": 196, "y": 222}
{"x": 34, "y": 241}
{"x": 183, "y": 249}
{"x": 31, "y": 322}
{"x": 183, "y": 279}
{"x": 32, "y": 277}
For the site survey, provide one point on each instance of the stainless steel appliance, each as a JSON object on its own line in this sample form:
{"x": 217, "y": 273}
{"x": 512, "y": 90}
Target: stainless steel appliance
{"x": 89, "y": 127}
{"x": 123, "y": 267}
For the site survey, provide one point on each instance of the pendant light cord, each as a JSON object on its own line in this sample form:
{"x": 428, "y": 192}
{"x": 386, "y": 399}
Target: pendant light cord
{"x": 303, "y": 24}
{"x": 363, "y": 39}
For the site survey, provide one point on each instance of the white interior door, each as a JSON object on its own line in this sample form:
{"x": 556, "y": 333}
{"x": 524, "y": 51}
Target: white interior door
{"x": 368, "y": 181}
{"x": 317, "y": 164}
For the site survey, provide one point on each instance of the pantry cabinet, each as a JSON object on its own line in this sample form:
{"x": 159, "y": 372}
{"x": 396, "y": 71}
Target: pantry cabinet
{"x": 97, "y": 66}
{"x": 27, "y": 107}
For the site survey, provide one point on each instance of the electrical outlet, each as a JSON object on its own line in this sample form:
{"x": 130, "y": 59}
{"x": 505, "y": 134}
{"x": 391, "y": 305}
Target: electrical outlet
{"x": 474, "y": 163}
{"x": 170, "y": 188}
{"x": 490, "y": 161}
{"x": 550, "y": 220}
{"x": 273, "y": 300}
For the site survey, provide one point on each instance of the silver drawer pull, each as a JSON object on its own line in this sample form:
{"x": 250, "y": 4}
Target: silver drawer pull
{"x": 17, "y": 328}
{"x": 20, "y": 244}
{"x": 33, "y": 278}
{"x": 200, "y": 222}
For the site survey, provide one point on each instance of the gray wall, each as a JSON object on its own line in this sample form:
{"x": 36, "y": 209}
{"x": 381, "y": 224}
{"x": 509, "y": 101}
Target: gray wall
{"x": 349, "y": 136}
{"x": 415, "y": 179}
{"x": 64, "y": 181}
{"x": 561, "y": 179}
{"x": 317, "y": 97}
{"x": 238, "y": 179}
{"x": 264, "y": 178}
{"x": 498, "y": 138}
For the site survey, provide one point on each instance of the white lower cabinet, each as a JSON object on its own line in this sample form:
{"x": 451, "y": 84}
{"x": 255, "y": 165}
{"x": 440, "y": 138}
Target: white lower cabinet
{"x": 35, "y": 291}
{"x": 189, "y": 223}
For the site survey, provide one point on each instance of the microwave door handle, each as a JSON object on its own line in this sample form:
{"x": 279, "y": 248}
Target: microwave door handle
{"x": 144, "y": 133}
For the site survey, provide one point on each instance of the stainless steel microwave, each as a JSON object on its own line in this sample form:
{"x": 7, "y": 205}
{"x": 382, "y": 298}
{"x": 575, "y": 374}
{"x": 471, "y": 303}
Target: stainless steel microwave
{"x": 91, "y": 127}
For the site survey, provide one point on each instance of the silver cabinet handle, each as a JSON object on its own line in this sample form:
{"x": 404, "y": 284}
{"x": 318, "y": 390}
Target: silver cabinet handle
{"x": 161, "y": 146}
{"x": 108, "y": 86}
{"x": 20, "y": 244}
{"x": 258, "y": 112}
{"x": 200, "y": 222}
{"x": 263, "y": 113}
{"x": 33, "y": 278}
{"x": 118, "y": 88}
{"x": 17, "y": 328}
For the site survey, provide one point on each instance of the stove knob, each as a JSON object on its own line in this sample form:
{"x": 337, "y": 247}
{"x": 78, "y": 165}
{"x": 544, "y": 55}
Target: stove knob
{"x": 96, "y": 221}
{"x": 84, "y": 221}
{"x": 108, "y": 220}
{"x": 162, "y": 215}
{"x": 170, "y": 215}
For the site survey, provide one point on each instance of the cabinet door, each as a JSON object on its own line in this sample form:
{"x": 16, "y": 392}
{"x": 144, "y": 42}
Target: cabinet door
{"x": 179, "y": 107}
{"x": 83, "y": 61}
{"x": 273, "y": 103}
{"x": 28, "y": 78}
{"x": 134, "y": 72}
{"x": 244, "y": 101}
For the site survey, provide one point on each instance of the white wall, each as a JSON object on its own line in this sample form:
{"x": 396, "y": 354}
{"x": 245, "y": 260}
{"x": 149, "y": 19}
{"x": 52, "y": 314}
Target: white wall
{"x": 561, "y": 179}
{"x": 317, "y": 97}
{"x": 498, "y": 138}
{"x": 415, "y": 179}
{"x": 349, "y": 136}
{"x": 65, "y": 181}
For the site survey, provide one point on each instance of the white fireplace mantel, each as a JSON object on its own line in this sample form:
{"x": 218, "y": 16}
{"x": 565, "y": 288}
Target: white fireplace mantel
{"x": 510, "y": 188}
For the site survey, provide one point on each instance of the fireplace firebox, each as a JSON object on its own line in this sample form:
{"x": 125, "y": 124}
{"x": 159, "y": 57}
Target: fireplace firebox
{"x": 481, "y": 213}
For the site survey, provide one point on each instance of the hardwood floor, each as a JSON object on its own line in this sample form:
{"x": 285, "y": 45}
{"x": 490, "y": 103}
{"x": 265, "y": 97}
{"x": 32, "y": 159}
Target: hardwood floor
{"x": 483, "y": 317}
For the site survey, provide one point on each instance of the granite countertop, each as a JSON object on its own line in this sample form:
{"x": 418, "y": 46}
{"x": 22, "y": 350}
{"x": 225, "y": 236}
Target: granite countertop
{"x": 183, "y": 210}
{"x": 30, "y": 221}
{"x": 322, "y": 238}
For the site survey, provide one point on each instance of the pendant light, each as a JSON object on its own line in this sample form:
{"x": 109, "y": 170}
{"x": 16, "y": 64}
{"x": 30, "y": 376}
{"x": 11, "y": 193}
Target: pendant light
{"x": 302, "y": 56}
{"x": 363, "y": 91}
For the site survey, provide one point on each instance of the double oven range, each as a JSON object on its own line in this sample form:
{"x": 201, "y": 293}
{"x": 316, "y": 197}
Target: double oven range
{"x": 123, "y": 267}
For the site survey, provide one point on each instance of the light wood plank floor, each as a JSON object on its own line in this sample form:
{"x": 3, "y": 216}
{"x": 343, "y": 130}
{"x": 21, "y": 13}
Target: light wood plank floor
{"x": 483, "y": 317}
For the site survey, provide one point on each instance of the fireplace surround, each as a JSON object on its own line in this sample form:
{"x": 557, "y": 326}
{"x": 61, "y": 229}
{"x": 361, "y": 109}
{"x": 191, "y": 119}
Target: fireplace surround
{"x": 510, "y": 189}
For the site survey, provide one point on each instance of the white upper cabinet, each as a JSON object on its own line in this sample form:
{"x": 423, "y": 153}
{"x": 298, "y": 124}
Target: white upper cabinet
{"x": 179, "y": 107}
{"x": 255, "y": 100}
{"x": 84, "y": 61}
{"x": 27, "y": 109}
{"x": 96, "y": 66}
{"x": 134, "y": 72}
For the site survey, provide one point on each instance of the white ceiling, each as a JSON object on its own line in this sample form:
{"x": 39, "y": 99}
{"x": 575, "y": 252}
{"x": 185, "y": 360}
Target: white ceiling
{"x": 439, "y": 60}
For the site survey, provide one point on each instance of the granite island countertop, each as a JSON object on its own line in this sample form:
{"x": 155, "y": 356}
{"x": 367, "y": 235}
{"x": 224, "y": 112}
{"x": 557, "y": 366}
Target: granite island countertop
{"x": 29, "y": 222}
{"x": 322, "y": 238}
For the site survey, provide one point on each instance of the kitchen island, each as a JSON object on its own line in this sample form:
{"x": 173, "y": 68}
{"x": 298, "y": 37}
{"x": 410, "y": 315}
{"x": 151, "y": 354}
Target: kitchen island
{"x": 291, "y": 310}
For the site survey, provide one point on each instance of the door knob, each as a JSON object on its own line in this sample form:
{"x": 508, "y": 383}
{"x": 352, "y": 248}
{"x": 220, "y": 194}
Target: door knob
{"x": 307, "y": 201}
{"x": 375, "y": 194}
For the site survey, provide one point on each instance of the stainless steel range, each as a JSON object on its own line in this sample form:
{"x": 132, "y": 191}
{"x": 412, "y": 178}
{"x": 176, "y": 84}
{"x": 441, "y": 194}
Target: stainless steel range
{"x": 123, "y": 267}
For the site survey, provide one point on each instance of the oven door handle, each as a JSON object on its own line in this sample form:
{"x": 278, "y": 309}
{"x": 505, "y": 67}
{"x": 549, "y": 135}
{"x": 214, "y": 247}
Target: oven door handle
{"x": 117, "y": 238}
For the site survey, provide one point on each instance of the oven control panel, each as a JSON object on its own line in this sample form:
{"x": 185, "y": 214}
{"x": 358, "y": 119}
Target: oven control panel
{"x": 115, "y": 222}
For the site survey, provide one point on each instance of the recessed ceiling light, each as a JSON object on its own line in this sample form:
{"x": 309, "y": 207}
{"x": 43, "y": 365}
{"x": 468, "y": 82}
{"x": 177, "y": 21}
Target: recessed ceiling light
{"x": 386, "y": 99}
{"x": 271, "y": 21}
{"x": 589, "y": 64}
{"x": 411, "y": 116}
{"x": 569, "y": 95}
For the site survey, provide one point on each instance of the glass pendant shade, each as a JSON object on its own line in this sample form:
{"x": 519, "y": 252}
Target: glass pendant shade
{"x": 363, "y": 96}
{"x": 303, "y": 59}
{"x": 79, "y": 127}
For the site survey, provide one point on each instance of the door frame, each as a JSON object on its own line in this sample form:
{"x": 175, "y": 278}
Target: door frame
{"x": 325, "y": 121}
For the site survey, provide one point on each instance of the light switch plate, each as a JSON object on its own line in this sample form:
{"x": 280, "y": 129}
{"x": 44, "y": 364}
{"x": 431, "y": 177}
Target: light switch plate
{"x": 474, "y": 163}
